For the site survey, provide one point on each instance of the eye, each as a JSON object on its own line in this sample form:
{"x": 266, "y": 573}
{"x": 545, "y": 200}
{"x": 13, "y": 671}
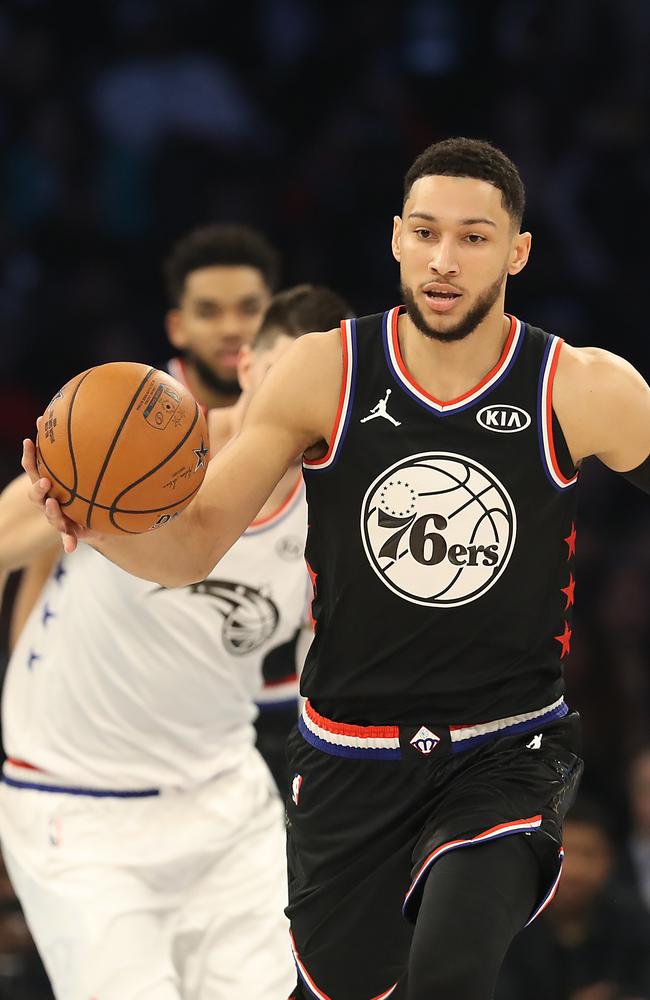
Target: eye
{"x": 475, "y": 238}
{"x": 424, "y": 234}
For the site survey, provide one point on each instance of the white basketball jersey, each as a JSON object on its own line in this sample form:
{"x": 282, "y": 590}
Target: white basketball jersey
{"x": 116, "y": 683}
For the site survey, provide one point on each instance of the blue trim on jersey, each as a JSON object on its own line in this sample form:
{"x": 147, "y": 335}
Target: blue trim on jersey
{"x": 352, "y": 361}
{"x": 457, "y": 409}
{"x": 541, "y": 416}
{"x": 271, "y": 706}
{"x": 529, "y": 726}
{"x": 95, "y": 793}
{"x": 354, "y": 753}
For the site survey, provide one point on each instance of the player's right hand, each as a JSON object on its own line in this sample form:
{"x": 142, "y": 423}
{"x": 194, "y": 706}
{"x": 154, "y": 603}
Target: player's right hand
{"x": 71, "y": 533}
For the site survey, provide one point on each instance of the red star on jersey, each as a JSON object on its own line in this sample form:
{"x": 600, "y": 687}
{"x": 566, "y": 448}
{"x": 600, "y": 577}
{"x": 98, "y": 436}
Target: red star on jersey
{"x": 313, "y": 577}
{"x": 569, "y": 591}
{"x": 564, "y": 640}
{"x": 571, "y": 541}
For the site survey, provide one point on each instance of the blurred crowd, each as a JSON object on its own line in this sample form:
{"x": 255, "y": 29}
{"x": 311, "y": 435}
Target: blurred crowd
{"x": 120, "y": 132}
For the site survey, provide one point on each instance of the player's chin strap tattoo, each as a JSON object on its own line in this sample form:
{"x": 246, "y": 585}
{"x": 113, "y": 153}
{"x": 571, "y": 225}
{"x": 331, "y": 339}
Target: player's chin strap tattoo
{"x": 640, "y": 476}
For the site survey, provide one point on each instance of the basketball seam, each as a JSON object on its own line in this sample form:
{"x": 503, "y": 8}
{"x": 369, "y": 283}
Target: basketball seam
{"x": 114, "y": 505}
{"x": 72, "y": 491}
{"x": 153, "y": 510}
{"x": 113, "y": 444}
{"x": 75, "y": 474}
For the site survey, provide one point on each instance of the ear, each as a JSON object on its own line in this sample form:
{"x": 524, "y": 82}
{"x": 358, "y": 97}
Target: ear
{"x": 520, "y": 253}
{"x": 397, "y": 236}
{"x": 245, "y": 362}
{"x": 174, "y": 327}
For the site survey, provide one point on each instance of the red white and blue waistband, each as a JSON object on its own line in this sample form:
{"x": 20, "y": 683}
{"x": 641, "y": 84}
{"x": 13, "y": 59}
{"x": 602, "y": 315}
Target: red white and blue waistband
{"x": 383, "y": 742}
{"x": 343, "y": 740}
{"x": 468, "y": 736}
{"x": 20, "y": 774}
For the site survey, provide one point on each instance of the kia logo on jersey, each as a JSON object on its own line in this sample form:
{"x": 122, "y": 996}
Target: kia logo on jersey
{"x": 438, "y": 528}
{"x": 504, "y": 419}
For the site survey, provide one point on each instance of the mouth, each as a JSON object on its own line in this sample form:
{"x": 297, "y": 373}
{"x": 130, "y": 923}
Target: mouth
{"x": 441, "y": 298}
{"x": 228, "y": 357}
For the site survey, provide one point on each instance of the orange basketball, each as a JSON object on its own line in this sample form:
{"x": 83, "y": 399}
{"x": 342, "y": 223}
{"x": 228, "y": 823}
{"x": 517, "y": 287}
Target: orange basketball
{"x": 125, "y": 446}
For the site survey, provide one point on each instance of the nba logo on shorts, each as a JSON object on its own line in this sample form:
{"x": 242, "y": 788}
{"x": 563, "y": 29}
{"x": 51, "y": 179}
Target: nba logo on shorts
{"x": 424, "y": 741}
{"x": 438, "y": 529}
{"x": 295, "y": 788}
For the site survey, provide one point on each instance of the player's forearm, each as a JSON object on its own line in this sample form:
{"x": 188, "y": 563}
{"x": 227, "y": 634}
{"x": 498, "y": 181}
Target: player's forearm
{"x": 174, "y": 555}
{"x": 24, "y": 533}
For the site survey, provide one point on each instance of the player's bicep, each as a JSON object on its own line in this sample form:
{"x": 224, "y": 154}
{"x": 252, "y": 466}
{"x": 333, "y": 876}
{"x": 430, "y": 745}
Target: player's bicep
{"x": 623, "y": 419}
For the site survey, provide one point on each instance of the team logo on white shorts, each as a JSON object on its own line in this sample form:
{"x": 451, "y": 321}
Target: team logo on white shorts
{"x": 438, "y": 528}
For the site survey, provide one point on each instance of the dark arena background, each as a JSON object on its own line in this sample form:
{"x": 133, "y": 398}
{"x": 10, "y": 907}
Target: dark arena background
{"x": 125, "y": 124}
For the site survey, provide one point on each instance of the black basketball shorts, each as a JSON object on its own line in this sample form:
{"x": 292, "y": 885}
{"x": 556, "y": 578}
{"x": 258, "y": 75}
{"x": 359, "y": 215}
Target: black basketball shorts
{"x": 371, "y": 809}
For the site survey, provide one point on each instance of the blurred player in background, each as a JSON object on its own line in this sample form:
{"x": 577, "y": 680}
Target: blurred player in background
{"x": 220, "y": 279}
{"x": 140, "y": 827}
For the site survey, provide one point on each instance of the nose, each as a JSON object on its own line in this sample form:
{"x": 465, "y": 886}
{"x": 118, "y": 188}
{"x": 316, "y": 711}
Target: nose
{"x": 443, "y": 259}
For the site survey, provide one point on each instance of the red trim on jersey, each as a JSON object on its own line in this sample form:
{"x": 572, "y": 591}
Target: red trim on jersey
{"x": 312, "y": 576}
{"x": 281, "y": 509}
{"x": 23, "y": 763}
{"x": 284, "y": 680}
{"x": 512, "y": 827}
{"x": 181, "y": 377}
{"x": 344, "y": 729}
{"x": 501, "y": 363}
{"x": 339, "y": 412}
{"x": 557, "y": 347}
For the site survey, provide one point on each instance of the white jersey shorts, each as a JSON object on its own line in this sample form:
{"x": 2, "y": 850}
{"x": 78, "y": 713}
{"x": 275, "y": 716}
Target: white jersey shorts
{"x": 178, "y": 895}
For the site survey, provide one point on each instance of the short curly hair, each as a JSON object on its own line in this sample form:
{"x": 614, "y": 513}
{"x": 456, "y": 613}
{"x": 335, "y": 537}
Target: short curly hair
{"x": 219, "y": 245}
{"x": 462, "y": 157}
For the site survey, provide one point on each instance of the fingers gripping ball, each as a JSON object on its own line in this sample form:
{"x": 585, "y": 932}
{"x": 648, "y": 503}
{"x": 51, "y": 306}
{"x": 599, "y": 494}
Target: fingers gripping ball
{"x": 125, "y": 447}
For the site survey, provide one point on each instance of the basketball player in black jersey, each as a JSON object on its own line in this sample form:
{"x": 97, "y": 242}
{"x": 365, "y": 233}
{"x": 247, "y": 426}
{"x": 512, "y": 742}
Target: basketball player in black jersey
{"x": 435, "y": 757}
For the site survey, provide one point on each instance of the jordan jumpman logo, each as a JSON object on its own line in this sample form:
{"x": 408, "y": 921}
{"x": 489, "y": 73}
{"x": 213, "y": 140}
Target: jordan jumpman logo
{"x": 380, "y": 411}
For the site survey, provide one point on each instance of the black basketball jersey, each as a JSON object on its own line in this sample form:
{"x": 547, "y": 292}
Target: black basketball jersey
{"x": 441, "y": 539}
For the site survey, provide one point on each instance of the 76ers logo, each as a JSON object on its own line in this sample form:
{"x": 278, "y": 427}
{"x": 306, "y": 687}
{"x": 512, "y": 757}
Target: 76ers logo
{"x": 438, "y": 528}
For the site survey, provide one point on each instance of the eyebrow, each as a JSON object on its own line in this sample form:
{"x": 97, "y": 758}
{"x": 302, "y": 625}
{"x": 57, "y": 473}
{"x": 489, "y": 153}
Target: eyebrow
{"x": 462, "y": 222}
{"x": 245, "y": 300}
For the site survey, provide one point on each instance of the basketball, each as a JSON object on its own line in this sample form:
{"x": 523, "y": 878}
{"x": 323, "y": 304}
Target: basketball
{"x": 125, "y": 447}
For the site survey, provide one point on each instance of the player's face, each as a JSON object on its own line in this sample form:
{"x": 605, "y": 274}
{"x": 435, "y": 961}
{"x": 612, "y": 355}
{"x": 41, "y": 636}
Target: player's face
{"x": 220, "y": 311}
{"x": 255, "y": 364}
{"x": 456, "y": 245}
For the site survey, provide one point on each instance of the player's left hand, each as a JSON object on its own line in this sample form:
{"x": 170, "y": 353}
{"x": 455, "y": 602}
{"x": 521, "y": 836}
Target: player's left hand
{"x": 71, "y": 533}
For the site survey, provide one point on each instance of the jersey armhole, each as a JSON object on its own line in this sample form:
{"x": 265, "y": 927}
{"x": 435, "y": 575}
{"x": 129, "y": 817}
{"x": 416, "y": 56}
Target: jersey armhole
{"x": 348, "y": 346}
{"x": 555, "y": 454}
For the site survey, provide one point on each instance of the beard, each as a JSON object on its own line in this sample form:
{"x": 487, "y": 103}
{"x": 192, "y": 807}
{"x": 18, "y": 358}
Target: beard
{"x": 465, "y": 326}
{"x": 210, "y": 378}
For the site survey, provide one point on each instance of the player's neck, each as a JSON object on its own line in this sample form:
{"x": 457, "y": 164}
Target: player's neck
{"x": 448, "y": 370}
{"x": 206, "y": 395}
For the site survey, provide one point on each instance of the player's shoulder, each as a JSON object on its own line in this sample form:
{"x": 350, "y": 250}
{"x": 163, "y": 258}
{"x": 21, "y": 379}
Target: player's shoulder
{"x": 594, "y": 370}
{"x": 313, "y": 360}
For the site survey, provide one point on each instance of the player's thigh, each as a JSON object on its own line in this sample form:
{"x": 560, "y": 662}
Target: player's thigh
{"x": 231, "y": 938}
{"x": 475, "y": 901}
{"x": 99, "y": 932}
